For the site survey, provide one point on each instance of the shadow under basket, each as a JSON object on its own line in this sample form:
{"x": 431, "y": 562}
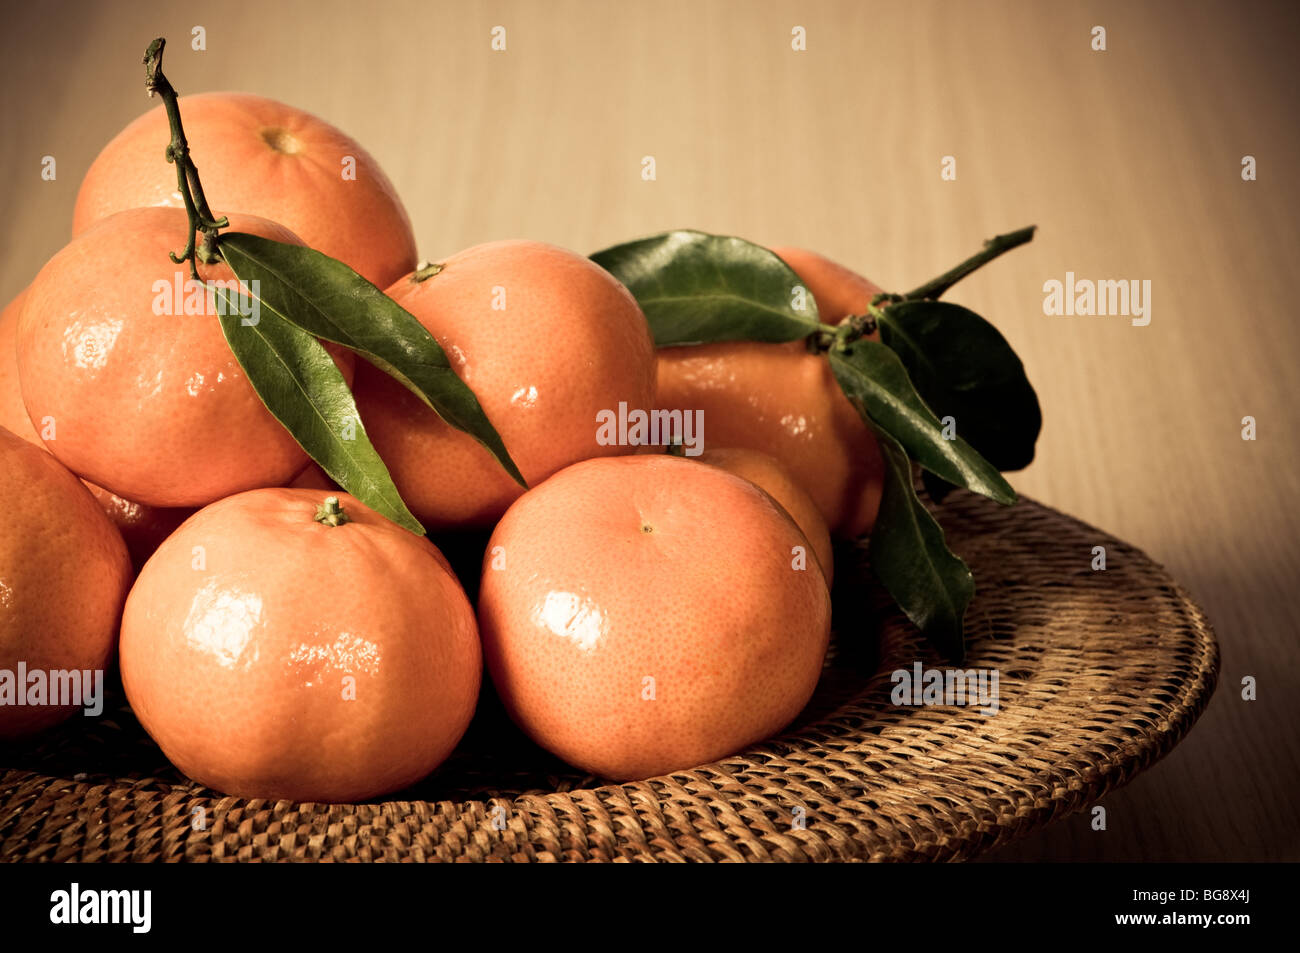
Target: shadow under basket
{"x": 1100, "y": 673}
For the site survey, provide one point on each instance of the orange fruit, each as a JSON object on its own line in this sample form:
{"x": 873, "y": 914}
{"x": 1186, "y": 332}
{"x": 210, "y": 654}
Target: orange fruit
{"x": 64, "y": 573}
{"x": 264, "y": 158}
{"x": 641, "y": 615}
{"x": 546, "y": 339}
{"x": 784, "y": 401}
{"x": 272, "y": 655}
{"x": 142, "y": 527}
{"x": 773, "y": 477}
{"x": 153, "y": 407}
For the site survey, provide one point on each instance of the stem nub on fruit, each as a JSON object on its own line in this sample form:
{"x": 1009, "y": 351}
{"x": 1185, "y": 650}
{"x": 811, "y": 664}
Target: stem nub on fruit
{"x": 331, "y": 512}
{"x": 425, "y": 271}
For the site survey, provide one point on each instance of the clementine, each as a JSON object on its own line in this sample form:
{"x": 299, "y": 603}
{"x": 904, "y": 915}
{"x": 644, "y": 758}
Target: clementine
{"x": 265, "y": 158}
{"x": 64, "y": 573}
{"x": 142, "y": 527}
{"x": 642, "y": 614}
{"x": 546, "y": 340}
{"x": 275, "y": 648}
{"x": 773, "y": 477}
{"x": 141, "y": 397}
{"x": 783, "y": 400}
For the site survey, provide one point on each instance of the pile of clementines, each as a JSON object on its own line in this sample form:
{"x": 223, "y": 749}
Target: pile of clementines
{"x": 639, "y": 611}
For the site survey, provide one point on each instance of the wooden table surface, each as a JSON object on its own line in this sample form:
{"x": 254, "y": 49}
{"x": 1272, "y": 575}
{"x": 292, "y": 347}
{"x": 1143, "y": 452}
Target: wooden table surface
{"x": 1129, "y": 160}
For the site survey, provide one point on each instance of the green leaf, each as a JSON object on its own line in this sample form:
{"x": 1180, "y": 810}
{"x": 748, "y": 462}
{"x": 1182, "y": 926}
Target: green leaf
{"x": 936, "y": 487}
{"x": 910, "y": 558}
{"x": 329, "y": 300}
{"x": 874, "y": 377}
{"x": 964, "y": 368}
{"x": 304, "y": 389}
{"x": 696, "y": 288}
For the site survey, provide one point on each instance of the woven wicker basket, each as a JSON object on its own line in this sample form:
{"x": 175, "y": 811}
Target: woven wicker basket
{"x": 1101, "y": 673}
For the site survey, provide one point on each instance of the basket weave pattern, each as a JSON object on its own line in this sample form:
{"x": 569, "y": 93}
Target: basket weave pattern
{"x": 1100, "y": 674}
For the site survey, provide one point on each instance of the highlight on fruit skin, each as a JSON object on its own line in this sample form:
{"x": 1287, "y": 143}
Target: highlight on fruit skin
{"x": 64, "y": 575}
{"x": 642, "y": 615}
{"x": 272, "y": 653}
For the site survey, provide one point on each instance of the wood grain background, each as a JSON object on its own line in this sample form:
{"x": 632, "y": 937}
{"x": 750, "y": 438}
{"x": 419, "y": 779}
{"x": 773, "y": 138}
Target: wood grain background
{"x": 1129, "y": 160}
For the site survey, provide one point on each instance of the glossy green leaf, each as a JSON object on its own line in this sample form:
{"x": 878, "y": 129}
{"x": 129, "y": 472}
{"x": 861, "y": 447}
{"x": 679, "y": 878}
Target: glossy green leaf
{"x": 873, "y": 375}
{"x": 303, "y": 388}
{"x": 909, "y": 556}
{"x": 963, "y": 367}
{"x": 937, "y": 488}
{"x": 329, "y": 300}
{"x": 696, "y": 288}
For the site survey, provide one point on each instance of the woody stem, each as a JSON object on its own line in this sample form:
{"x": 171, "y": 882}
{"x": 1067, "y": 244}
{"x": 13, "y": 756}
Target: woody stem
{"x": 187, "y": 174}
{"x": 993, "y": 248}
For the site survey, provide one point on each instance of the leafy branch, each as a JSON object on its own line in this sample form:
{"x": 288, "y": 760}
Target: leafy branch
{"x": 303, "y": 296}
{"x": 933, "y": 361}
